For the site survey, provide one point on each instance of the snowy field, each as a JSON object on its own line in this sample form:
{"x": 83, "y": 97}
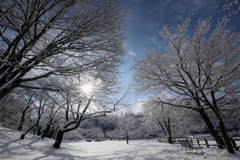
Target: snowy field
{"x": 34, "y": 148}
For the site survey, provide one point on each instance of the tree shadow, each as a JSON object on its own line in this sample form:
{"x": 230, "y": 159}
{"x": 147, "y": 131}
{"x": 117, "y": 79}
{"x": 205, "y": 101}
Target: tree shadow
{"x": 7, "y": 150}
{"x": 63, "y": 156}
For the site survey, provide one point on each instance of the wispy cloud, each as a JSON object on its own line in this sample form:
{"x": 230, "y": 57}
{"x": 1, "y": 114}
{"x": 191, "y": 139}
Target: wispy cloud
{"x": 153, "y": 26}
{"x": 186, "y": 6}
{"x": 132, "y": 53}
{"x": 124, "y": 44}
{"x": 156, "y": 42}
{"x": 183, "y": 7}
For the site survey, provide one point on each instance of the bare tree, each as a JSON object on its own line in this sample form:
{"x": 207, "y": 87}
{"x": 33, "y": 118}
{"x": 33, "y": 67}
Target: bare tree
{"x": 43, "y": 38}
{"x": 199, "y": 68}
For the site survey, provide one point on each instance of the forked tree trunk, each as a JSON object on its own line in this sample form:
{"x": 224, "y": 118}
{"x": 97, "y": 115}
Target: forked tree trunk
{"x": 58, "y": 139}
{"x": 168, "y": 131}
{"x": 226, "y": 138}
{"x": 20, "y": 126}
{"x": 212, "y": 130}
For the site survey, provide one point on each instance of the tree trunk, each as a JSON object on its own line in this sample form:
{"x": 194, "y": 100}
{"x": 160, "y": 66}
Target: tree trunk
{"x": 51, "y": 133}
{"x": 30, "y": 123}
{"x": 127, "y": 138}
{"x": 46, "y": 131}
{"x": 213, "y": 132}
{"x": 14, "y": 84}
{"x": 39, "y": 130}
{"x": 4, "y": 92}
{"x": 168, "y": 127}
{"x": 170, "y": 139}
{"x": 23, "y": 135}
{"x": 20, "y": 126}
{"x": 225, "y": 136}
{"x": 37, "y": 125}
{"x": 58, "y": 139}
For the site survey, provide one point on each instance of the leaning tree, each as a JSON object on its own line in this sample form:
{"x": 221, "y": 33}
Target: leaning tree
{"x": 201, "y": 68}
{"x": 89, "y": 96}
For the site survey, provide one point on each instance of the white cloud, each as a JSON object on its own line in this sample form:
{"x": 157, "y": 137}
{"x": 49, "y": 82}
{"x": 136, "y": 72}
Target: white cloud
{"x": 138, "y": 107}
{"x": 132, "y": 53}
{"x": 120, "y": 111}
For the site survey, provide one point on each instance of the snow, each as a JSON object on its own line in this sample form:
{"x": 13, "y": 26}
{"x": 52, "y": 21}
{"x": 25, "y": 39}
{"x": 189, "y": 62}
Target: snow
{"x": 34, "y": 148}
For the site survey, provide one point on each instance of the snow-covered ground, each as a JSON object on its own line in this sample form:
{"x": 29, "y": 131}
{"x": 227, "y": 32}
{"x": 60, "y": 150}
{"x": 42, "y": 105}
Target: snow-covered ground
{"x": 34, "y": 148}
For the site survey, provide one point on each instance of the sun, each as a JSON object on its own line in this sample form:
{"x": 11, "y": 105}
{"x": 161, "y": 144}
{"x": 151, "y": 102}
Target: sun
{"x": 87, "y": 88}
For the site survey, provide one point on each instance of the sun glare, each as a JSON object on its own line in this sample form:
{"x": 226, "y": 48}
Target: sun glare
{"x": 87, "y": 88}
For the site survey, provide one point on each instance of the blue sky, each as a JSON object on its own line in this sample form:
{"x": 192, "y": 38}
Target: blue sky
{"x": 146, "y": 17}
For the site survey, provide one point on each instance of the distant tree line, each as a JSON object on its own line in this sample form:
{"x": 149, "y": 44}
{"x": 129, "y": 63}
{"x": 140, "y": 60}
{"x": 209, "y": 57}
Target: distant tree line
{"x": 29, "y": 114}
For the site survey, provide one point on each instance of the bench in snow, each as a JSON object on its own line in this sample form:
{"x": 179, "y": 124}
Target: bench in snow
{"x": 234, "y": 139}
{"x": 187, "y": 145}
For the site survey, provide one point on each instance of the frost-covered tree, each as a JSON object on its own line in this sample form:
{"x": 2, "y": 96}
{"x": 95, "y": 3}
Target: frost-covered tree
{"x": 229, "y": 5}
{"x": 43, "y": 38}
{"x": 74, "y": 135}
{"x": 54, "y": 113}
{"x": 163, "y": 116}
{"x": 125, "y": 123}
{"x": 38, "y": 110}
{"x": 40, "y": 104}
{"x": 27, "y": 96}
{"x": 113, "y": 134}
{"x": 11, "y": 109}
{"x": 198, "y": 68}
{"x": 140, "y": 131}
{"x": 88, "y": 98}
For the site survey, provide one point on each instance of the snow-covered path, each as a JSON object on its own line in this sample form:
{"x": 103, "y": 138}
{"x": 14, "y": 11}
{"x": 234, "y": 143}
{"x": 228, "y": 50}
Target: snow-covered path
{"x": 34, "y": 148}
